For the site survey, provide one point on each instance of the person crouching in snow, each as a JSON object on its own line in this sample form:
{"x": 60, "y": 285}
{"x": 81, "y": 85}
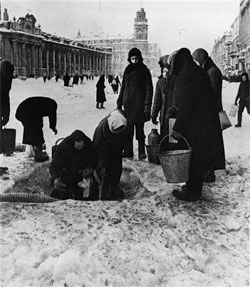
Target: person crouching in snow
{"x": 109, "y": 140}
{"x": 30, "y": 113}
{"x": 72, "y": 164}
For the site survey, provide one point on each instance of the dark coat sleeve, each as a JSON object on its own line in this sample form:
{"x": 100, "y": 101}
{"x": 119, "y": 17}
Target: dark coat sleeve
{"x": 216, "y": 80}
{"x": 120, "y": 98}
{"x": 157, "y": 101}
{"x": 149, "y": 90}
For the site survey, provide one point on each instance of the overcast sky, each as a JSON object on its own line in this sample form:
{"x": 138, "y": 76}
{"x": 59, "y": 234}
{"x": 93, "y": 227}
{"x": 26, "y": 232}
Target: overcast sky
{"x": 172, "y": 24}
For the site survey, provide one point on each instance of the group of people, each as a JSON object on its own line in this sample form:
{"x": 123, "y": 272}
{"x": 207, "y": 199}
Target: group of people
{"x": 189, "y": 91}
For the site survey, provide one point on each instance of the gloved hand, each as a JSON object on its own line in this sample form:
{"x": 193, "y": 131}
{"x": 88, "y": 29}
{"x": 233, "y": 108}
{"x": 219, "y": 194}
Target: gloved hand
{"x": 154, "y": 121}
{"x": 176, "y": 135}
{"x": 59, "y": 185}
{"x": 146, "y": 115}
{"x": 87, "y": 172}
{"x": 103, "y": 172}
{"x": 55, "y": 131}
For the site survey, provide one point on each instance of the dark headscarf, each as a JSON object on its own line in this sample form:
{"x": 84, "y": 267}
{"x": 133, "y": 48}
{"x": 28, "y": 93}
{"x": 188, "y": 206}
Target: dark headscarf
{"x": 200, "y": 55}
{"x": 182, "y": 58}
{"x": 135, "y": 52}
{"x": 244, "y": 74}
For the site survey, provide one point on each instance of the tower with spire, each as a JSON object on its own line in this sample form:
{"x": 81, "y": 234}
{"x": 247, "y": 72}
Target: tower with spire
{"x": 141, "y": 26}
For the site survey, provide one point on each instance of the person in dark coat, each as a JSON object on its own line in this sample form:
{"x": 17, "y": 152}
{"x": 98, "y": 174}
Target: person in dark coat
{"x": 198, "y": 121}
{"x": 30, "y": 113}
{"x": 6, "y": 76}
{"x": 202, "y": 58}
{"x": 108, "y": 140}
{"x": 100, "y": 93}
{"x": 115, "y": 84}
{"x": 163, "y": 97}
{"x": 74, "y": 161}
{"x": 136, "y": 98}
{"x": 66, "y": 79}
{"x": 243, "y": 95}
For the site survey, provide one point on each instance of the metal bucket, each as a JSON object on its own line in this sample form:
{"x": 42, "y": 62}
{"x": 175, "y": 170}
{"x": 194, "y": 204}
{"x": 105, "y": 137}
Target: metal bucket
{"x": 233, "y": 110}
{"x": 175, "y": 163}
{"x": 8, "y": 141}
{"x": 152, "y": 152}
{"x": 224, "y": 120}
{"x": 54, "y": 147}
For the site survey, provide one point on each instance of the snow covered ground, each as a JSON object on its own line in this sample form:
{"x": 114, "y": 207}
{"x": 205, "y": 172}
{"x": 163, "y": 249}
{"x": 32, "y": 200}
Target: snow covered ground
{"x": 151, "y": 239}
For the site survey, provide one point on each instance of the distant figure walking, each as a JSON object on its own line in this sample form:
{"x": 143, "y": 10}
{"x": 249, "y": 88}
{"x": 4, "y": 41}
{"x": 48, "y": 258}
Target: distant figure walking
{"x": 66, "y": 79}
{"x": 115, "y": 84}
{"x": 243, "y": 96}
{"x": 30, "y": 113}
{"x": 100, "y": 93}
{"x": 44, "y": 77}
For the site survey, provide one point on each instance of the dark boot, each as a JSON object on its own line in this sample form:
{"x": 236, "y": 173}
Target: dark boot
{"x": 209, "y": 176}
{"x": 238, "y": 125}
{"x": 40, "y": 156}
{"x": 97, "y": 105}
{"x": 117, "y": 193}
{"x": 102, "y": 107}
{"x": 186, "y": 194}
{"x": 141, "y": 150}
{"x": 128, "y": 150}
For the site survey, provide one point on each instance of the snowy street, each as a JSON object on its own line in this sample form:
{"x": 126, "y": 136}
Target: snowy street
{"x": 151, "y": 239}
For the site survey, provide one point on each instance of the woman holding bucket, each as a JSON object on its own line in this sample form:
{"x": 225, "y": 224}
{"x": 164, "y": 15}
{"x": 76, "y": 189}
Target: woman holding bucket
{"x": 197, "y": 120}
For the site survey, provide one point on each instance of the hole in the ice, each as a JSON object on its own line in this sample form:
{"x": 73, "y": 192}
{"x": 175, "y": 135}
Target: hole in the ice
{"x": 38, "y": 182}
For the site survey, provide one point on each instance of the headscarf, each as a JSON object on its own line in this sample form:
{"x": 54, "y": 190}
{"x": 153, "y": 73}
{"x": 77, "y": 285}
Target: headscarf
{"x": 244, "y": 74}
{"x": 171, "y": 60}
{"x": 182, "y": 58}
{"x": 200, "y": 55}
{"x": 116, "y": 120}
{"x": 163, "y": 62}
{"x": 135, "y": 52}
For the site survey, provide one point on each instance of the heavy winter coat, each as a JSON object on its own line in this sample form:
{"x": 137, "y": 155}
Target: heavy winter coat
{"x": 162, "y": 101}
{"x": 31, "y": 112}
{"x": 67, "y": 162}
{"x": 136, "y": 93}
{"x": 108, "y": 147}
{"x": 6, "y": 76}
{"x": 197, "y": 117}
{"x": 100, "y": 93}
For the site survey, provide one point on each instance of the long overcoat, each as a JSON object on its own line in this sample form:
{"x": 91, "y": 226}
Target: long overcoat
{"x": 197, "y": 117}
{"x": 136, "y": 92}
{"x": 31, "y": 112}
{"x": 215, "y": 76}
{"x": 67, "y": 161}
{"x": 108, "y": 147}
{"x": 162, "y": 101}
{"x": 100, "y": 92}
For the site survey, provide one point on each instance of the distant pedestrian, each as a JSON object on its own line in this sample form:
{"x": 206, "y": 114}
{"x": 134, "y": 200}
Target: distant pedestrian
{"x": 66, "y": 79}
{"x": 202, "y": 58}
{"x": 136, "y": 97}
{"x": 100, "y": 92}
{"x": 243, "y": 96}
{"x": 44, "y": 77}
{"x": 57, "y": 76}
{"x": 30, "y": 113}
{"x": 115, "y": 84}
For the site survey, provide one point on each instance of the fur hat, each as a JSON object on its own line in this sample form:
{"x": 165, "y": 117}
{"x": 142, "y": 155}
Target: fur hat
{"x": 135, "y": 52}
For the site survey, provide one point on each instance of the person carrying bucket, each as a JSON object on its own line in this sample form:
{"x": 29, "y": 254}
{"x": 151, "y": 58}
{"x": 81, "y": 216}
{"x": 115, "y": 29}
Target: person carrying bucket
{"x": 197, "y": 120}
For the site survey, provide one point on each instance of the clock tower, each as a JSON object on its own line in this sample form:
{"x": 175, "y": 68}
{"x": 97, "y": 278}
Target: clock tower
{"x": 141, "y": 26}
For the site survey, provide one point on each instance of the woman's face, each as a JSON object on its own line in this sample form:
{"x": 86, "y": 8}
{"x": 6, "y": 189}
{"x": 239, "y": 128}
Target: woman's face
{"x": 134, "y": 59}
{"x": 78, "y": 145}
{"x": 164, "y": 72}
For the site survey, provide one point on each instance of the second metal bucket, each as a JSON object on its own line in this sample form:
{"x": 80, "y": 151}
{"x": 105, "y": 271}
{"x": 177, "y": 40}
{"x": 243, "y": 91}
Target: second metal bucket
{"x": 175, "y": 163}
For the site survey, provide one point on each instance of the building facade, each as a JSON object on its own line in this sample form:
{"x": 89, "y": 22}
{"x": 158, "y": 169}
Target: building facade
{"x": 121, "y": 46}
{"x": 34, "y": 52}
{"x": 232, "y": 51}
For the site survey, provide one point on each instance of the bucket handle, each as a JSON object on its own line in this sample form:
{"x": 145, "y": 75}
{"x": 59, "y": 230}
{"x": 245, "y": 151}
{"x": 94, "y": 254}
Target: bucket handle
{"x": 58, "y": 140}
{"x": 167, "y": 136}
